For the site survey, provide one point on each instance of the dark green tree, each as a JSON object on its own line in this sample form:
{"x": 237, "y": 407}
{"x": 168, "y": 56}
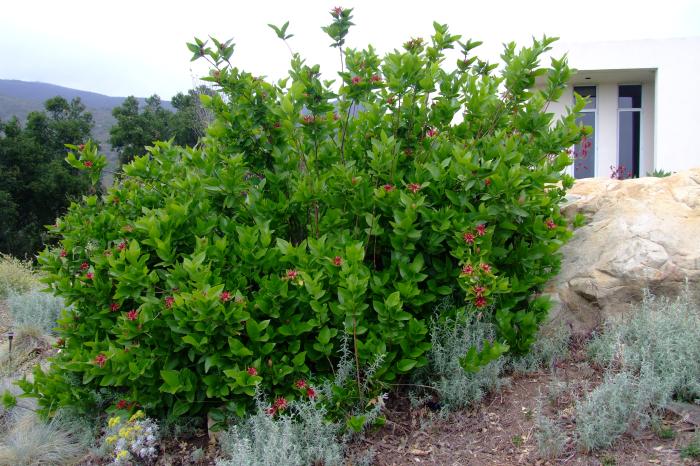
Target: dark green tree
{"x": 138, "y": 127}
{"x": 191, "y": 118}
{"x": 37, "y": 185}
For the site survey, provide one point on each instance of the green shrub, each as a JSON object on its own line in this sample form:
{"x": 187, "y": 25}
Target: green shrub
{"x": 16, "y": 276}
{"x": 310, "y": 212}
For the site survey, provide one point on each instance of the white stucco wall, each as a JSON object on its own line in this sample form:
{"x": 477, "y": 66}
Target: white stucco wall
{"x": 669, "y": 72}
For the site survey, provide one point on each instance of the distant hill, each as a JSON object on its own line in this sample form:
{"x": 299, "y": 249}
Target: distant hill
{"x": 19, "y": 98}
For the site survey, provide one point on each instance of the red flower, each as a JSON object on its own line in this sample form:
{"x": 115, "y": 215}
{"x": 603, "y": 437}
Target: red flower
{"x": 356, "y": 80}
{"x": 550, "y": 224}
{"x": 479, "y": 290}
{"x": 487, "y": 181}
{"x": 84, "y": 266}
{"x": 277, "y": 124}
{"x": 122, "y": 404}
{"x": 431, "y": 133}
{"x": 89, "y": 275}
{"x": 481, "y": 229}
{"x": 169, "y": 302}
{"x": 114, "y": 307}
{"x": 87, "y": 163}
{"x": 301, "y": 383}
{"x": 469, "y": 238}
{"x": 121, "y": 246}
{"x": 81, "y": 146}
{"x": 414, "y": 187}
{"x": 390, "y": 100}
{"x": 337, "y": 11}
{"x": 375, "y": 78}
{"x": 132, "y": 314}
{"x": 100, "y": 360}
{"x": 308, "y": 119}
{"x": 486, "y": 267}
{"x": 63, "y": 253}
{"x": 468, "y": 269}
{"x": 337, "y": 261}
{"x": 252, "y": 371}
{"x": 291, "y": 274}
{"x": 310, "y": 392}
{"x": 271, "y": 411}
{"x": 388, "y": 187}
{"x": 225, "y": 296}
{"x": 480, "y": 302}
{"x": 280, "y": 404}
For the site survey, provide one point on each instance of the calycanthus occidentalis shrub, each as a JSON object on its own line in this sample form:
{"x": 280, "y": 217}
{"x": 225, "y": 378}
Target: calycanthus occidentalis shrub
{"x": 314, "y": 211}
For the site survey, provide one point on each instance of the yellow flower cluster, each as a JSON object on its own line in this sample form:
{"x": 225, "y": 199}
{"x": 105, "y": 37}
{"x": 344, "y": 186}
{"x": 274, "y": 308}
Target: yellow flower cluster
{"x": 128, "y": 432}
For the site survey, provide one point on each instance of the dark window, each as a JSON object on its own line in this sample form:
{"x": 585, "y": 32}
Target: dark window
{"x": 629, "y": 133}
{"x": 629, "y": 97}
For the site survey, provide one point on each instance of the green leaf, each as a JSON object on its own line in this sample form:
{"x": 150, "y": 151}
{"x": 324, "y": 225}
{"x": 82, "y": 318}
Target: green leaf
{"x": 406, "y": 365}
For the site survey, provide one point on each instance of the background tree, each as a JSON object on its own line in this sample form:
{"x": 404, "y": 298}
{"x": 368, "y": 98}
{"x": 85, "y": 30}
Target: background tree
{"x": 138, "y": 127}
{"x": 37, "y": 185}
{"x": 190, "y": 119}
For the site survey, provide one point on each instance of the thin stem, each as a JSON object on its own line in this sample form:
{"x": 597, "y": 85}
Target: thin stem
{"x": 345, "y": 131}
{"x": 357, "y": 357}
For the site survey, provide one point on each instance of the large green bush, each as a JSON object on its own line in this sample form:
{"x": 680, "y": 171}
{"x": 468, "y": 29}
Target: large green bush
{"x": 313, "y": 210}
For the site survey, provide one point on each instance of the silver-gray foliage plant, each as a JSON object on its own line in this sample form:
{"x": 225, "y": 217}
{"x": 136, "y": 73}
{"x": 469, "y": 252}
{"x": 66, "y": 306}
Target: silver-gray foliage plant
{"x": 650, "y": 359}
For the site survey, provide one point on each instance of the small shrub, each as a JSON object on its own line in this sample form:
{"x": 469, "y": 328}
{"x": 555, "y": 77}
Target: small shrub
{"x": 662, "y": 335}
{"x": 131, "y": 440}
{"x": 692, "y": 450}
{"x": 16, "y": 276}
{"x": 551, "y": 439}
{"x": 659, "y": 173}
{"x": 550, "y": 347}
{"x": 35, "y": 308}
{"x": 620, "y": 403}
{"x": 450, "y": 339}
{"x": 651, "y": 358}
{"x": 298, "y": 436}
{"x": 29, "y": 441}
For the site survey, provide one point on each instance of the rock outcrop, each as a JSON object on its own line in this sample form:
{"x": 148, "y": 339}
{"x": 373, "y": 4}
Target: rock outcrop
{"x": 640, "y": 233}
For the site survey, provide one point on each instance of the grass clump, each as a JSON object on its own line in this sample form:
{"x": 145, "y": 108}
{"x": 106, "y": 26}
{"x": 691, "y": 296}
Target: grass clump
{"x": 35, "y": 308}
{"x": 29, "y": 441}
{"x": 16, "y": 276}
{"x": 451, "y": 338}
{"x": 299, "y": 436}
{"x": 650, "y": 359}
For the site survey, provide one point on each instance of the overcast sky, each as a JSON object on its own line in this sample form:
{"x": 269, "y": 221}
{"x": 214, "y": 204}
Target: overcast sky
{"x": 128, "y": 47}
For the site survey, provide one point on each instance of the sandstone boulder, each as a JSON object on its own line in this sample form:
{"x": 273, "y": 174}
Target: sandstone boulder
{"x": 640, "y": 233}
